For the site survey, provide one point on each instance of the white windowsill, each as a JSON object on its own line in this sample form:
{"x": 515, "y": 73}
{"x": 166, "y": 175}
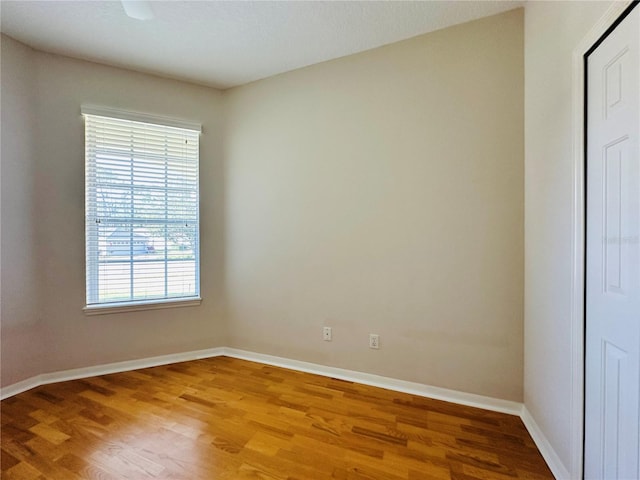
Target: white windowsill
{"x": 122, "y": 307}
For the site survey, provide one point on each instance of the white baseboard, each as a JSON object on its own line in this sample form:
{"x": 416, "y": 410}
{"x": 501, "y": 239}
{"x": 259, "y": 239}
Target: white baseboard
{"x": 462, "y": 398}
{"x": 428, "y": 391}
{"x": 549, "y": 454}
{"x": 76, "y": 373}
{"x": 19, "y": 387}
{"x": 437, "y": 393}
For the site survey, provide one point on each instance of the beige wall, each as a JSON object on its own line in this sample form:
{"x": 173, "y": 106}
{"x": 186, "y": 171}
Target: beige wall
{"x": 20, "y": 334}
{"x": 49, "y": 187}
{"x": 383, "y": 192}
{"x": 552, "y": 31}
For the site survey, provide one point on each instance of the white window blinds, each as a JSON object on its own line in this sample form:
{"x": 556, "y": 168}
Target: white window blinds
{"x": 142, "y": 213}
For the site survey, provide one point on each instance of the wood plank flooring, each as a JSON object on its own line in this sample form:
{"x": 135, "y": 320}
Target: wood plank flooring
{"x": 223, "y": 418}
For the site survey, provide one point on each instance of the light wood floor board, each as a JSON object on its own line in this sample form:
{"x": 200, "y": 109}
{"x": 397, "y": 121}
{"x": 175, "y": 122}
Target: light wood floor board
{"x": 224, "y": 418}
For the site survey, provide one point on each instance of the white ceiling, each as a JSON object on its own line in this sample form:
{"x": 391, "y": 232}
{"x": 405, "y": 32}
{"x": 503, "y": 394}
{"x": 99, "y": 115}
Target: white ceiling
{"x": 228, "y": 43}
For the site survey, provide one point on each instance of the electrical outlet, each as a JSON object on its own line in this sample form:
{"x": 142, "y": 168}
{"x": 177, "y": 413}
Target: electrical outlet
{"x": 326, "y": 334}
{"x": 374, "y": 340}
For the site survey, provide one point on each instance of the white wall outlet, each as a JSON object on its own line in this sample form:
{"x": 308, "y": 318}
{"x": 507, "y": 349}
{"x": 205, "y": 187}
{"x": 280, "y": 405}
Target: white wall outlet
{"x": 326, "y": 334}
{"x": 374, "y": 340}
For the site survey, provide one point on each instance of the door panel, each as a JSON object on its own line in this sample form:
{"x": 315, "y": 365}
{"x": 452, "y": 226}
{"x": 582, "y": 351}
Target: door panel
{"x": 612, "y": 381}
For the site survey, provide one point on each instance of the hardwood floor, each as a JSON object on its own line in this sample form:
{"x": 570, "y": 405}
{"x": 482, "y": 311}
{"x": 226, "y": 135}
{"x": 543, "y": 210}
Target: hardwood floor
{"x": 223, "y": 418}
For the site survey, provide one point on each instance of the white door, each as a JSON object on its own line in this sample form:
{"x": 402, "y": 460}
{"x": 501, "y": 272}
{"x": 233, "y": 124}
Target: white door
{"x": 612, "y": 382}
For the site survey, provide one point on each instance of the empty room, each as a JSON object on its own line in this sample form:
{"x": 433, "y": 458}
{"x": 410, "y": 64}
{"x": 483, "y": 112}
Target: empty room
{"x": 356, "y": 240}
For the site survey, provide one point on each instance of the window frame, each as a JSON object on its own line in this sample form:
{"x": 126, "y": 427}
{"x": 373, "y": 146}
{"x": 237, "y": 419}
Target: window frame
{"x": 155, "y": 303}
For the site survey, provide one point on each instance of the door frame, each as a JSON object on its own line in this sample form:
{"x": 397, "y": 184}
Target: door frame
{"x": 616, "y": 12}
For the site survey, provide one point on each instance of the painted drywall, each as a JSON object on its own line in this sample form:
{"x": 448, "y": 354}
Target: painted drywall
{"x": 20, "y": 326}
{"x": 383, "y": 192}
{"x": 552, "y": 31}
{"x": 54, "y": 197}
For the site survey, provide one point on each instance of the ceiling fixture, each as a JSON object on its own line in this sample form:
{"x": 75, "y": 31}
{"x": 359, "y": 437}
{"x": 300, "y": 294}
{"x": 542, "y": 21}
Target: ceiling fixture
{"x": 138, "y": 9}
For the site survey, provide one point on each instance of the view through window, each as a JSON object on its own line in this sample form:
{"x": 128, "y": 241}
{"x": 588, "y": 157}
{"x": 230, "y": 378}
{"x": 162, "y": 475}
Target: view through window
{"x": 142, "y": 212}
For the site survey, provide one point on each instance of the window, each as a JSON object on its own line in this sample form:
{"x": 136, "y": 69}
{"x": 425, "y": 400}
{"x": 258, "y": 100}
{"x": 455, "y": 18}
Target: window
{"x": 142, "y": 213}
